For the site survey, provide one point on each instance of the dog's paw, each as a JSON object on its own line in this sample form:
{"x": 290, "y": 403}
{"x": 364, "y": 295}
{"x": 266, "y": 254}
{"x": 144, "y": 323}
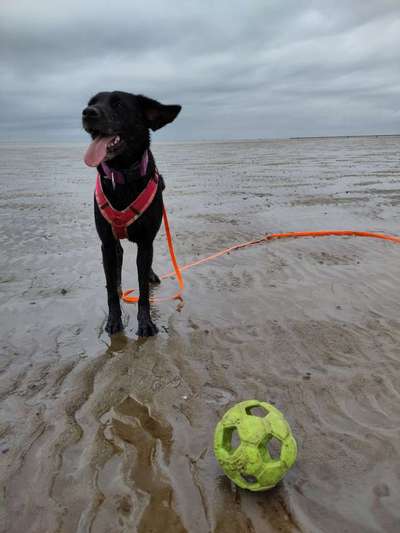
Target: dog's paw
{"x": 153, "y": 278}
{"x": 146, "y": 328}
{"x": 114, "y": 324}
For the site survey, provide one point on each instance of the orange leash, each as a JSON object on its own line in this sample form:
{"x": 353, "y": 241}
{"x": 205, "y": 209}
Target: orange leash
{"x": 269, "y": 237}
{"x": 176, "y": 272}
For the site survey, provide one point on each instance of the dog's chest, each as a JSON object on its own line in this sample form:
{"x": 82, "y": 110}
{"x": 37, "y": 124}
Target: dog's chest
{"x": 122, "y": 195}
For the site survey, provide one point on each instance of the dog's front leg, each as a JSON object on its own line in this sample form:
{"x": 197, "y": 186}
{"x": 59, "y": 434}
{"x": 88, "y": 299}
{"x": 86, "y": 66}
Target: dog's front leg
{"x": 146, "y": 327}
{"x": 120, "y": 256}
{"x": 112, "y": 262}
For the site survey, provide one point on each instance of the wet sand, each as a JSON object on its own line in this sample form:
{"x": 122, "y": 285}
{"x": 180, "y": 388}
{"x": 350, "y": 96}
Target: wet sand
{"x": 99, "y": 435}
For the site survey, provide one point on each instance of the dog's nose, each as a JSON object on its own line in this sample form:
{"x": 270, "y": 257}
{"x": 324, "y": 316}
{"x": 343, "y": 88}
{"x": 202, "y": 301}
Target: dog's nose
{"x": 90, "y": 112}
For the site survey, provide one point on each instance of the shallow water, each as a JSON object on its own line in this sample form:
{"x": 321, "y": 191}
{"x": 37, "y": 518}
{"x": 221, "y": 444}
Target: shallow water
{"x": 99, "y": 435}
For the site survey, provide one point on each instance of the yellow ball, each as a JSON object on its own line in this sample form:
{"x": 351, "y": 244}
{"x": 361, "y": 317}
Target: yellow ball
{"x": 254, "y": 445}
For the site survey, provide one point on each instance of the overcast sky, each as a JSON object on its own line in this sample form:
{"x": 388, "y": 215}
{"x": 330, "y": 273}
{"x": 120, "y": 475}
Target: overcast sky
{"x": 240, "y": 69}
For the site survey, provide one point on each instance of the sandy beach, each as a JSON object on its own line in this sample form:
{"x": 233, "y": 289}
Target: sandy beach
{"x": 100, "y": 435}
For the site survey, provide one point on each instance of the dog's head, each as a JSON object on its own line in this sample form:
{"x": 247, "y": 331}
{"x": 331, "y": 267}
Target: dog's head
{"x": 119, "y": 124}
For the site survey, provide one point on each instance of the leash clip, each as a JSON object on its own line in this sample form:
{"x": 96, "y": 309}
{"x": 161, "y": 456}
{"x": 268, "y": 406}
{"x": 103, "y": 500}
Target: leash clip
{"x": 113, "y": 180}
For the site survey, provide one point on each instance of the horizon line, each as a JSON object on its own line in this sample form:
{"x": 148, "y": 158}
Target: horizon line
{"x": 244, "y": 139}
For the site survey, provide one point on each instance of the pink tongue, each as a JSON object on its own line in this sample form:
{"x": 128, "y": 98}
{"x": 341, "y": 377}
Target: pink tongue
{"x": 97, "y": 151}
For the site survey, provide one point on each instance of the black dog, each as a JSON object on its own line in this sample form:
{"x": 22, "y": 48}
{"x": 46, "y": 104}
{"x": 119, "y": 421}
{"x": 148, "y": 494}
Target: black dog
{"x": 119, "y": 124}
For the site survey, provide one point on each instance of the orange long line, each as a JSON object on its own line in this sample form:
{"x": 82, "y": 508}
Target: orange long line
{"x": 177, "y": 272}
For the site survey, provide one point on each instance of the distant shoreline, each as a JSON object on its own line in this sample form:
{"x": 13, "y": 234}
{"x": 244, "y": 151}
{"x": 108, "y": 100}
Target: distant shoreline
{"x": 194, "y": 141}
{"x": 346, "y": 136}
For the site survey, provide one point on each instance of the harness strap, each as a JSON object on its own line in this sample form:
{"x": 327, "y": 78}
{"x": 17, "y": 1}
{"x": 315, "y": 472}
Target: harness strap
{"x": 120, "y": 220}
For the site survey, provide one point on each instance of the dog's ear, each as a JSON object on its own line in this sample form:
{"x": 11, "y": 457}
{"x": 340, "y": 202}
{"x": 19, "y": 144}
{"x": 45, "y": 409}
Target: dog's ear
{"x": 157, "y": 115}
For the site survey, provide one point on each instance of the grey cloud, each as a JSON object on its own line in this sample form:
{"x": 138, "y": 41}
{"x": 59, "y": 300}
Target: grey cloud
{"x": 239, "y": 68}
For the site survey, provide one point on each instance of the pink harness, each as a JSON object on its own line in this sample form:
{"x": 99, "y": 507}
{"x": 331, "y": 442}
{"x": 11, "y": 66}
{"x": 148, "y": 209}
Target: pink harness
{"x": 120, "y": 220}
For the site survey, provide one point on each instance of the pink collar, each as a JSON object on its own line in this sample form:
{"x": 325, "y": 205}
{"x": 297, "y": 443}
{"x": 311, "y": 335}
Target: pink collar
{"x": 118, "y": 177}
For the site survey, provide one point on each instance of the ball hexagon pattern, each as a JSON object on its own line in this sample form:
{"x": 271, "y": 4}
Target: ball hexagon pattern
{"x": 254, "y": 445}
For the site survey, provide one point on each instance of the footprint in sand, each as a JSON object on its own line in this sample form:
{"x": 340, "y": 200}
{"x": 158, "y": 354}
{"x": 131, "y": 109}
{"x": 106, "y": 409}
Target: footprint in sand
{"x": 132, "y": 425}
